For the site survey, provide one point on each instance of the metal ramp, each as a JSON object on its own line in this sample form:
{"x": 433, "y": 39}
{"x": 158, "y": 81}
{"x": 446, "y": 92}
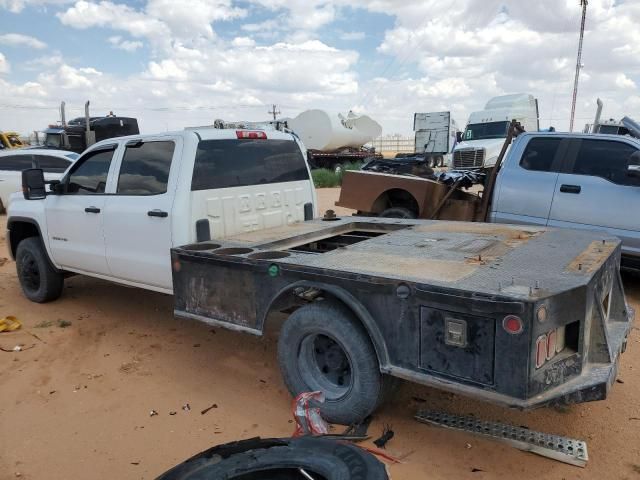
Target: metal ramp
{"x": 563, "y": 449}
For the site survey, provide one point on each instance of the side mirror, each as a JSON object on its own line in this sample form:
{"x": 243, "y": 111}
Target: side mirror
{"x": 458, "y": 137}
{"x": 633, "y": 171}
{"x": 33, "y": 186}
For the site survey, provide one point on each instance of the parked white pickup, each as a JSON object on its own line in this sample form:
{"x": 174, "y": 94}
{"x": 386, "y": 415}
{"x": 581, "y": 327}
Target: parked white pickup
{"x": 126, "y": 201}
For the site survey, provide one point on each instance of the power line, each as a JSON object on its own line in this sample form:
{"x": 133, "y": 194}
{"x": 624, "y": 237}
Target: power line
{"x": 274, "y": 111}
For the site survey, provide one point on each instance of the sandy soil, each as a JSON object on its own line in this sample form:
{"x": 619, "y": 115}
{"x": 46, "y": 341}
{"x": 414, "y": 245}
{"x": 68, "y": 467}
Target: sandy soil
{"x": 77, "y": 404}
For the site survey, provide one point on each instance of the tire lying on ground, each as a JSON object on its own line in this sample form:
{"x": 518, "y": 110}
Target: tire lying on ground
{"x": 322, "y": 347}
{"x": 280, "y": 459}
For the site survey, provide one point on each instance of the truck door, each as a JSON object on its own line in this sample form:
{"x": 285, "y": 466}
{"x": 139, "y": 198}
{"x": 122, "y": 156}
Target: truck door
{"x": 137, "y": 220}
{"x": 75, "y": 217}
{"x": 527, "y": 182}
{"x": 597, "y": 191}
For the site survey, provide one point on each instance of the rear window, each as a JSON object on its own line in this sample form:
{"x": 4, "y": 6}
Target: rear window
{"x": 16, "y": 163}
{"x": 52, "y": 164}
{"x": 238, "y": 163}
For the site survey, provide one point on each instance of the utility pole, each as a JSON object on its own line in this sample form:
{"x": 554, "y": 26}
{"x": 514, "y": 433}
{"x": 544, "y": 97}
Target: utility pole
{"x": 274, "y": 111}
{"x": 583, "y": 4}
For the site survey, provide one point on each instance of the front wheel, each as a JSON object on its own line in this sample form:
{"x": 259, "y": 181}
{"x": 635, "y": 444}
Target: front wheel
{"x": 322, "y": 347}
{"x": 39, "y": 281}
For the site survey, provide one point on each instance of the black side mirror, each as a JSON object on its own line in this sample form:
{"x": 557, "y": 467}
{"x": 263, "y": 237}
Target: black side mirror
{"x": 458, "y": 137}
{"x": 33, "y": 186}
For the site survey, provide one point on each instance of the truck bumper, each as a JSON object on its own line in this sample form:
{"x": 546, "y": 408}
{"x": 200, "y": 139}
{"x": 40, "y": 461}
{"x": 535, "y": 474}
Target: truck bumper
{"x": 592, "y": 384}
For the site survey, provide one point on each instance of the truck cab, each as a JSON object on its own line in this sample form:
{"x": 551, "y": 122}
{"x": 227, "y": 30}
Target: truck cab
{"x": 116, "y": 213}
{"x": 584, "y": 181}
{"x": 487, "y": 129}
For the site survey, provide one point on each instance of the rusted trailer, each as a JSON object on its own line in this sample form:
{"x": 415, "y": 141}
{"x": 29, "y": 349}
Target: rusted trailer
{"x": 515, "y": 315}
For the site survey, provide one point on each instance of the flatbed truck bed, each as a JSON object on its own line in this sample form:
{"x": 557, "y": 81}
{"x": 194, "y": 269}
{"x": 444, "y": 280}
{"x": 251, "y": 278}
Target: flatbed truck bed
{"x": 519, "y": 316}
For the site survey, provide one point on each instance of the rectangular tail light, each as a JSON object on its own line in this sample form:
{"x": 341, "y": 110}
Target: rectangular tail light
{"x": 251, "y": 134}
{"x": 549, "y": 344}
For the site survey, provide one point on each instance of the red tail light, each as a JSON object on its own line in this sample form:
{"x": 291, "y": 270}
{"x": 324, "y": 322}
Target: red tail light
{"x": 512, "y": 324}
{"x": 251, "y": 134}
{"x": 541, "y": 350}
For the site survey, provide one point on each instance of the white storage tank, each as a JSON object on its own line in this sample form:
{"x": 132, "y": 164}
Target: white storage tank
{"x": 324, "y": 131}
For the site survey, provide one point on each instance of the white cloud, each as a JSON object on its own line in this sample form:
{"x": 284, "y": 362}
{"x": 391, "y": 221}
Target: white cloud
{"x": 70, "y": 78}
{"x": 352, "y": 36}
{"x": 16, "y": 6}
{"x": 17, "y": 39}
{"x": 126, "y": 45}
{"x": 243, "y": 42}
{"x": 116, "y": 16}
{"x": 433, "y": 57}
{"x": 160, "y": 21}
{"x": 4, "y": 64}
{"x": 622, "y": 81}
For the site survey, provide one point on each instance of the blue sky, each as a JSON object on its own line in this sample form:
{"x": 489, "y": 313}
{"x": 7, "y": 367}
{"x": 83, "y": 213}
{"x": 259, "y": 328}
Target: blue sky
{"x": 176, "y": 63}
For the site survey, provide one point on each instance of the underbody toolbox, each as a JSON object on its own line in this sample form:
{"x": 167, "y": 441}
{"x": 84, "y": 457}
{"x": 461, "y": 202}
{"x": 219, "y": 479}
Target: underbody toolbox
{"x": 517, "y": 315}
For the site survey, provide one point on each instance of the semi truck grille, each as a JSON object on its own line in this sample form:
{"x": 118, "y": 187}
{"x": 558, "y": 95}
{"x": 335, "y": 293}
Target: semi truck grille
{"x": 468, "y": 158}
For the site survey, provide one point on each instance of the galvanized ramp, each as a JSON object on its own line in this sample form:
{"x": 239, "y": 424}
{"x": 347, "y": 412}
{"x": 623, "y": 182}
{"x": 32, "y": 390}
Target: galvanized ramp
{"x": 563, "y": 449}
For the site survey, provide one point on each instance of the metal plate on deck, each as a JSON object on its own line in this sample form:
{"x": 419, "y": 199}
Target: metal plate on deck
{"x": 563, "y": 449}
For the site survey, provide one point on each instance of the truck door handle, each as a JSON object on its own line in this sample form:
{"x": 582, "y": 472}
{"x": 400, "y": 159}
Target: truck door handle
{"x": 92, "y": 210}
{"x": 157, "y": 213}
{"x": 570, "y": 188}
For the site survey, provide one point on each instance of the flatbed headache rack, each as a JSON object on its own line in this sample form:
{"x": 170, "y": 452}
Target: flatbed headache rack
{"x": 520, "y": 316}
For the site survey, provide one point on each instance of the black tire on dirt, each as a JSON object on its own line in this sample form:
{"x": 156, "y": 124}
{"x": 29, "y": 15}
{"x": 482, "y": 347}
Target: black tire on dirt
{"x": 39, "y": 281}
{"x": 397, "y": 212}
{"x": 323, "y": 347}
{"x": 2, "y": 208}
{"x": 280, "y": 459}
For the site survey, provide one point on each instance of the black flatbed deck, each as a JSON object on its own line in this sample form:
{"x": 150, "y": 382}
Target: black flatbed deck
{"x": 406, "y": 279}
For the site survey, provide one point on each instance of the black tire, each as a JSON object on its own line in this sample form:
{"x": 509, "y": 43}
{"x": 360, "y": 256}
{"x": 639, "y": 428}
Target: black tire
{"x": 397, "y": 212}
{"x": 39, "y": 281}
{"x": 280, "y": 459}
{"x": 2, "y": 208}
{"x": 323, "y": 347}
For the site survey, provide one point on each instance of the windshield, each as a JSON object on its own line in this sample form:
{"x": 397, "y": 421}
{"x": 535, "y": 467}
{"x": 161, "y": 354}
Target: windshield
{"x": 482, "y": 131}
{"x": 72, "y": 156}
{"x": 53, "y": 140}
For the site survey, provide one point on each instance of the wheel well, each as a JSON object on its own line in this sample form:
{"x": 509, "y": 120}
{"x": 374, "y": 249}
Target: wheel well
{"x": 18, "y": 231}
{"x": 396, "y": 197}
{"x": 291, "y": 297}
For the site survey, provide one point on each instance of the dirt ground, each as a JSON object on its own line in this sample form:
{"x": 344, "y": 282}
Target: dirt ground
{"x": 77, "y": 404}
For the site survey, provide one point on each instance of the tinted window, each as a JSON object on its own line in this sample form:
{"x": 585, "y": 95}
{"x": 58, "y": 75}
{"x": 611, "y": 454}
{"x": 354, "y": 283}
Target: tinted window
{"x": 16, "y": 163}
{"x": 539, "y": 154}
{"x": 90, "y": 175}
{"x": 608, "y": 160}
{"x": 52, "y": 164}
{"x": 236, "y": 163}
{"x": 480, "y": 131}
{"x": 145, "y": 168}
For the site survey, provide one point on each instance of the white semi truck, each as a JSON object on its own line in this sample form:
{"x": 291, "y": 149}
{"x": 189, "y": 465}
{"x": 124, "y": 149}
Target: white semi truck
{"x": 487, "y": 129}
{"x": 436, "y": 136}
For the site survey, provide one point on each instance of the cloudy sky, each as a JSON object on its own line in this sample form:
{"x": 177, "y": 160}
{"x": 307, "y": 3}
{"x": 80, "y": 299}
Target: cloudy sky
{"x": 177, "y": 63}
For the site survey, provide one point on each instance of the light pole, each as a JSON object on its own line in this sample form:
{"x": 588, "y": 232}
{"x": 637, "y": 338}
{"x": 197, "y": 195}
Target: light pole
{"x": 583, "y": 4}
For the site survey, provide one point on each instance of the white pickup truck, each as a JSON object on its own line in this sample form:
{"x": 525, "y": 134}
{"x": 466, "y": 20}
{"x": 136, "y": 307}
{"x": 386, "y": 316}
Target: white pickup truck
{"x": 127, "y": 201}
